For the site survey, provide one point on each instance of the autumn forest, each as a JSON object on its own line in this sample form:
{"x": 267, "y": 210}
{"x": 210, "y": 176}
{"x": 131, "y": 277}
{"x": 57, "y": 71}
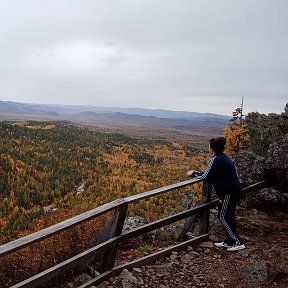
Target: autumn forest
{"x": 53, "y": 171}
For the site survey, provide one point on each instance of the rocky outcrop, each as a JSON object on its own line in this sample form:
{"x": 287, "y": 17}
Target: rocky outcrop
{"x": 250, "y": 167}
{"x": 276, "y": 163}
{"x": 268, "y": 199}
{"x": 133, "y": 222}
{"x": 253, "y": 168}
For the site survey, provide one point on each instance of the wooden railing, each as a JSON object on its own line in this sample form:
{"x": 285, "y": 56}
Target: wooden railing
{"x": 112, "y": 234}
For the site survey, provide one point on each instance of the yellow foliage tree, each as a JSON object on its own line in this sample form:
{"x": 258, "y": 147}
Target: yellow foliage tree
{"x": 236, "y": 137}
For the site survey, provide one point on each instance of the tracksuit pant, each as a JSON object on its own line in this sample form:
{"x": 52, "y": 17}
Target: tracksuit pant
{"x": 226, "y": 215}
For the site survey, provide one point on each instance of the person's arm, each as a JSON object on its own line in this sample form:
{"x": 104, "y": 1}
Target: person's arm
{"x": 202, "y": 175}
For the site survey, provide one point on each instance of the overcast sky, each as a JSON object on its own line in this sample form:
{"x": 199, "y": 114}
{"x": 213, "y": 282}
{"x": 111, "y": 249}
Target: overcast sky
{"x": 186, "y": 55}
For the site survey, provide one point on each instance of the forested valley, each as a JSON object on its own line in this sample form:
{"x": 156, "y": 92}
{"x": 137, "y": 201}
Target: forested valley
{"x": 52, "y": 171}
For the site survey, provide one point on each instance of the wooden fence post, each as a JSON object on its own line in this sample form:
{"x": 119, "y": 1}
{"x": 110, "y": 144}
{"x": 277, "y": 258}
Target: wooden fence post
{"x": 204, "y": 216}
{"x": 206, "y": 197}
{"x": 116, "y": 227}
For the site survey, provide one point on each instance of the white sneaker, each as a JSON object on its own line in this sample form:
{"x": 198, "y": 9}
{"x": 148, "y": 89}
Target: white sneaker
{"x": 236, "y": 248}
{"x": 222, "y": 245}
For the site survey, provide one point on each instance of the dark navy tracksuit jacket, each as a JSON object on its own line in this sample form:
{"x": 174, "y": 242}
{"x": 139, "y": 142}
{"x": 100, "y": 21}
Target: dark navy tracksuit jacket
{"x": 221, "y": 172}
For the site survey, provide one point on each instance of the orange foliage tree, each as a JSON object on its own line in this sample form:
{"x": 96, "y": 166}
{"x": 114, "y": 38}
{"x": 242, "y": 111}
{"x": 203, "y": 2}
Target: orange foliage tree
{"x": 236, "y": 137}
{"x": 237, "y": 134}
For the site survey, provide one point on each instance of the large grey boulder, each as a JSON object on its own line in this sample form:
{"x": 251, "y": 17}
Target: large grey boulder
{"x": 277, "y": 157}
{"x": 276, "y": 164}
{"x": 253, "y": 168}
{"x": 267, "y": 199}
{"x": 250, "y": 167}
{"x": 256, "y": 274}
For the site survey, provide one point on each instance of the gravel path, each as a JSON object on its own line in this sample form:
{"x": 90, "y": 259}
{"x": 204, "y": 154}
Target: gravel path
{"x": 263, "y": 264}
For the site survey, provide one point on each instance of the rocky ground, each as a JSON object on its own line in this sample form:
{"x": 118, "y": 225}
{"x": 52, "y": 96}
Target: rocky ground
{"x": 263, "y": 264}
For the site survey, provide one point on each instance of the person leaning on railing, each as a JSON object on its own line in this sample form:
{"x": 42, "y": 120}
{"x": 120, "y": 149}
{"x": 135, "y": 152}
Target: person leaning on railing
{"x": 222, "y": 173}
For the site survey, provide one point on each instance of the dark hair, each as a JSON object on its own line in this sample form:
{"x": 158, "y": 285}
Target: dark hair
{"x": 218, "y": 144}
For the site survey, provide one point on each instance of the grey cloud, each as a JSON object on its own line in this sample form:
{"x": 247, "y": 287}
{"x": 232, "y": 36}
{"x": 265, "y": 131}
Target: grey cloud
{"x": 184, "y": 55}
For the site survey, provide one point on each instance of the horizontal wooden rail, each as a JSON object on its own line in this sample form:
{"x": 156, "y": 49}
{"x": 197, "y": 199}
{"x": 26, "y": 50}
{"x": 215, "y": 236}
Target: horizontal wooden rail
{"x": 71, "y": 222}
{"x": 161, "y": 190}
{"x": 88, "y": 254}
{"x": 168, "y": 220}
{"x": 258, "y": 185}
{"x": 158, "y": 224}
{"x": 57, "y": 228}
{"x": 77, "y": 260}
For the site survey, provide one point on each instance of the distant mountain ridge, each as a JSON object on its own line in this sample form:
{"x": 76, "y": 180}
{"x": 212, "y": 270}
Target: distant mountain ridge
{"x": 74, "y": 109}
{"x": 116, "y": 117}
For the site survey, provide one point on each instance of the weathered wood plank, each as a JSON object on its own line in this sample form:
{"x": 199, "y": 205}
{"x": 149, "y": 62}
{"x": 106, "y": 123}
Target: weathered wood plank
{"x": 204, "y": 217}
{"x": 192, "y": 220}
{"x": 50, "y": 231}
{"x": 258, "y": 185}
{"x": 206, "y": 196}
{"x": 166, "y": 221}
{"x": 109, "y": 230}
{"x": 161, "y": 190}
{"x": 59, "y": 227}
{"x": 145, "y": 260}
{"x": 98, "y": 279}
{"x": 110, "y": 256}
{"x": 163, "y": 253}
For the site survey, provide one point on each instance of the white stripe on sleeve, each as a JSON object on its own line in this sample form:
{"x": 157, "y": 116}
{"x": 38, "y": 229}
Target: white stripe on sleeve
{"x": 208, "y": 169}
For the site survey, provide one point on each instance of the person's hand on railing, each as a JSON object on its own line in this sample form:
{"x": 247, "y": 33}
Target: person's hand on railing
{"x": 191, "y": 173}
